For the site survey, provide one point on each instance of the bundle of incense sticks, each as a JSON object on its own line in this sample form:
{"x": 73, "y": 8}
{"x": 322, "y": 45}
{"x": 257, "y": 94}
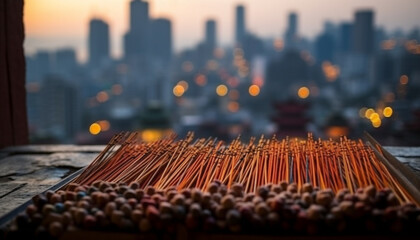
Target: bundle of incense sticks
{"x": 195, "y": 163}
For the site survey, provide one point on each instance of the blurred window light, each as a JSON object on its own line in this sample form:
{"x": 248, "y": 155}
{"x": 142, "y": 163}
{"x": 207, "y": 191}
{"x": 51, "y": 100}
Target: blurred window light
{"x": 331, "y": 72}
{"x": 376, "y": 123}
{"x": 102, "y": 96}
{"x": 374, "y": 117}
{"x": 201, "y": 80}
{"x": 221, "y": 90}
{"x": 388, "y": 44}
{"x": 233, "y": 106}
{"x": 387, "y": 112}
{"x": 178, "y": 90}
{"x": 303, "y": 92}
{"x": 254, "y": 90}
{"x": 94, "y": 128}
{"x": 151, "y": 135}
{"x": 404, "y": 79}
{"x": 219, "y": 53}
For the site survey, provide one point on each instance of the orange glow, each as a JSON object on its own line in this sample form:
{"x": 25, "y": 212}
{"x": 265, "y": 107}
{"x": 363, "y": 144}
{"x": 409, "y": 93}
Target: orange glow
{"x": 376, "y": 122}
{"x": 102, "y": 96}
{"x": 233, "y": 106}
{"x": 116, "y": 89}
{"x": 178, "y": 90}
{"x": 387, "y": 112}
{"x": 201, "y": 80}
{"x": 337, "y": 131}
{"x": 221, "y": 90}
{"x": 184, "y": 84}
{"x": 104, "y": 124}
{"x": 187, "y": 66}
{"x": 403, "y": 79}
{"x": 234, "y": 94}
{"x": 369, "y": 112}
{"x": 94, "y": 128}
{"x": 254, "y": 90}
{"x": 151, "y": 135}
{"x": 388, "y": 44}
{"x": 303, "y": 92}
{"x": 331, "y": 72}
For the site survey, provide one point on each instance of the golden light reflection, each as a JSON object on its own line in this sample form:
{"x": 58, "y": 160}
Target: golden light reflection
{"x": 387, "y": 112}
{"x": 374, "y": 117}
{"x": 303, "y": 92}
{"x": 221, "y": 90}
{"x": 94, "y": 128}
{"x": 233, "y": 106}
{"x": 151, "y": 135}
{"x": 254, "y": 90}
{"x": 376, "y": 123}
{"x": 178, "y": 90}
{"x": 404, "y": 79}
{"x": 369, "y": 112}
{"x": 102, "y": 96}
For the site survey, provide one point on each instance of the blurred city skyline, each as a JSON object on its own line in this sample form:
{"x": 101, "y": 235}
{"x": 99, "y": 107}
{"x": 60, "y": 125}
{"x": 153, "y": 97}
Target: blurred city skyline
{"x": 52, "y": 25}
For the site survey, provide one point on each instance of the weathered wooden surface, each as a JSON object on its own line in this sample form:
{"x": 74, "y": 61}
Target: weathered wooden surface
{"x": 28, "y": 170}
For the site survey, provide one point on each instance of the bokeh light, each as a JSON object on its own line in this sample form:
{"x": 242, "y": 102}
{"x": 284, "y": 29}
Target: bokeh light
{"x": 387, "y": 112}
{"x": 94, "y": 128}
{"x": 221, "y": 90}
{"x": 178, "y": 90}
{"x": 303, "y": 92}
{"x": 254, "y": 90}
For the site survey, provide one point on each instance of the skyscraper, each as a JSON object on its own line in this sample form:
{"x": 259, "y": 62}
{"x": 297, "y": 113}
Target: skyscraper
{"x": 162, "y": 39}
{"x": 65, "y": 61}
{"x": 98, "y": 42}
{"x": 292, "y": 30}
{"x": 363, "y": 32}
{"x": 345, "y": 37}
{"x": 240, "y": 28}
{"x": 210, "y": 39}
{"x": 136, "y": 40}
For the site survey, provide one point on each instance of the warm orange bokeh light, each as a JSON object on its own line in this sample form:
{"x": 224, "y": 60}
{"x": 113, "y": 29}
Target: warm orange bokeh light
{"x": 221, "y": 90}
{"x": 178, "y": 90}
{"x": 303, "y": 92}
{"x": 254, "y": 90}
{"x": 102, "y": 96}
{"x": 94, "y": 128}
{"x": 404, "y": 79}
{"x": 233, "y": 106}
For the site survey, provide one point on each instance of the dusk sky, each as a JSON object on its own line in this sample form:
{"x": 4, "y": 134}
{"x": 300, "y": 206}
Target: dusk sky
{"x": 52, "y": 24}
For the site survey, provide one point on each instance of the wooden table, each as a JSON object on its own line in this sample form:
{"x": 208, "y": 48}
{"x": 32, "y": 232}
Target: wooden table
{"x": 31, "y": 169}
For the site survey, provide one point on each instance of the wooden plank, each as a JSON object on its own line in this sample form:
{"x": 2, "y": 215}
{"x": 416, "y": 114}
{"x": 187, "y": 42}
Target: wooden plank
{"x": 404, "y": 176}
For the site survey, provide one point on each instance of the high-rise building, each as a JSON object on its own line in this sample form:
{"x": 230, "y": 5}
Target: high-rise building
{"x": 65, "y": 61}
{"x": 363, "y": 32}
{"x": 210, "y": 39}
{"x": 240, "y": 28}
{"x": 324, "y": 47}
{"x": 291, "y": 37}
{"x": 137, "y": 39}
{"x": 162, "y": 39}
{"x": 98, "y": 42}
{"x": 345, "y": 37}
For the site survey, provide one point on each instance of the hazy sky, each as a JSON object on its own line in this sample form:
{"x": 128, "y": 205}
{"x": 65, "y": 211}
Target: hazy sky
{"x": 52, "y": 24}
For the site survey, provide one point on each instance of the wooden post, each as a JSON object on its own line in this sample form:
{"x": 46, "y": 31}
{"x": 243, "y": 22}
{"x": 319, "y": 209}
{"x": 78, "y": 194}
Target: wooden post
{"x": 13, "y": 118}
